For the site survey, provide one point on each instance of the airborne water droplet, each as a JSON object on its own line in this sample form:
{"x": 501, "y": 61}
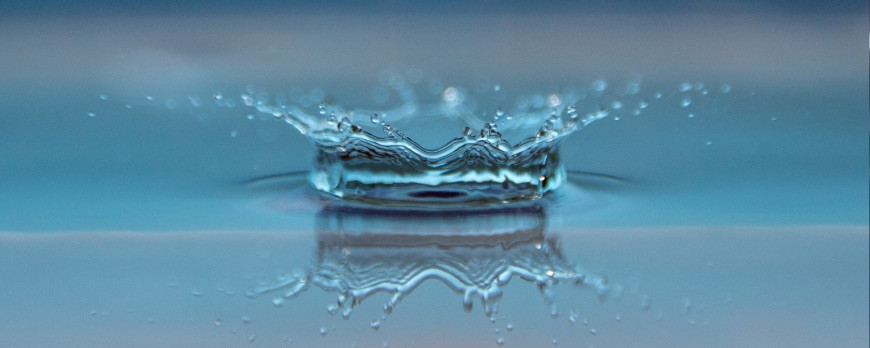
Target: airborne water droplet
{"x": 323, "y": 331}
{"x": 375, "y": 118}
{"x": 686, "y": 102}
{"x": 376, "y": 325}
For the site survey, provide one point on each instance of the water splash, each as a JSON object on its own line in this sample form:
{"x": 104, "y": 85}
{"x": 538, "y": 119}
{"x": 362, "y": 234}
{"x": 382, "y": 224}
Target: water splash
{"x": 451, "y": 146}
{"x": 476, "y": 253}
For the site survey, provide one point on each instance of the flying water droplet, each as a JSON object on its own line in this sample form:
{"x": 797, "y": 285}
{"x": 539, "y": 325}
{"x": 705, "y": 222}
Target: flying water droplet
{"x": 375, "y": 118}
{"x": 323, "y": 331}
{"x": 278, "y": 302}
{"x": 685, "y": 87}
{"x": 725, "y": 88}
{"x": 616, "y": 105}
{"x": 686, "y": 102}
{"x": 499, "y": 341}
{"x": 599, "y": 85}
{"x": 376, "y": 325}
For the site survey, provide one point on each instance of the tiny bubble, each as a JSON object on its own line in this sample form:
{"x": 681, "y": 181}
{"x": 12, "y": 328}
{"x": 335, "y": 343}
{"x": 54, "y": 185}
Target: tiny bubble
{"x": 104, "y": 97}
{"x": 148, "y": 97}
{"x": 323, "y": 331}
{"x": 496, "y": 88}
{"x": 691, "y": 115}
{"x": 91, "y": 114}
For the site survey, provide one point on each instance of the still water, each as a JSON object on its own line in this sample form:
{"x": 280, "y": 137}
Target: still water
{"x": 712, "y": 178}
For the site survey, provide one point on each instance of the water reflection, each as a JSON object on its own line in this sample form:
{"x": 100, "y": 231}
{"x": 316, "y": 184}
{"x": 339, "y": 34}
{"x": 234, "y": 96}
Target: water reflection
{"x": 361, "y": 252}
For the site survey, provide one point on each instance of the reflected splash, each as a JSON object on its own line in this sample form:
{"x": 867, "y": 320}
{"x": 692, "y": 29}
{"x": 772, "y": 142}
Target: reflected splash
{"x": 362, "y": 252}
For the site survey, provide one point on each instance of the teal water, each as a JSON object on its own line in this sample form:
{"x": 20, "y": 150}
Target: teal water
{"x": 137, "y": 209}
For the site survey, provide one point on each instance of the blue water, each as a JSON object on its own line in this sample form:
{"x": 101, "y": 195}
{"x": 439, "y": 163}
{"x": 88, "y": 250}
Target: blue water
{"x": 136, "y": 209}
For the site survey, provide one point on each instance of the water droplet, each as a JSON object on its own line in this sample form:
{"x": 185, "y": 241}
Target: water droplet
{"x": 599, "y": 85}
{"x": 234, "y": 133}
{"x": 658, "y": 95}
{"x": 170, "y": 104}
{"x": 104, "y": 97}
{"x": 376, "y": 119}
{"x": 616, "y": 105}
{"x": 499, "y": 341}
{"x": 376, "y": 325}
{"x": 496, "y": 88}
{"x": 321, "y": 109}
{"x": 509, "y": 327}
{"x": 645, "y": 302}
{"x": 246, "y": 320}
{"x": 593, "y": 331}
{"x": 554, "y": 341}
{"x": 699, "y": 86}
{"x": 572, "y": 317}
{"x": 554, "y": 100}
{"x": 687, "y": 305}
{"x": 691, "y": 115}
{"x": 91, "y": 114}
{"x": 250, "y": 116}
{"x": 773, "y": 118}
{"x": 323, "y": 331}
{"x": 128, "y": 106}
{"x": 218, "y": 322}
{"x": 686, "y": 102}
{"x": 451, "y": 95}
{"x": 618, "y": 317}
{"x": 708, "y": 143}
{"x": 332, "y": 309}
{"x": 148, "y": 97}
{"x": 643, "y": 104}
{"x": 196, "y": 293}
{"x": 685, "y": 87}
{"x": 252, "y": 338}
{"x": 278, "y": 302}
{"x": 499, "y": 112}
{"x": 725, "y": 88}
